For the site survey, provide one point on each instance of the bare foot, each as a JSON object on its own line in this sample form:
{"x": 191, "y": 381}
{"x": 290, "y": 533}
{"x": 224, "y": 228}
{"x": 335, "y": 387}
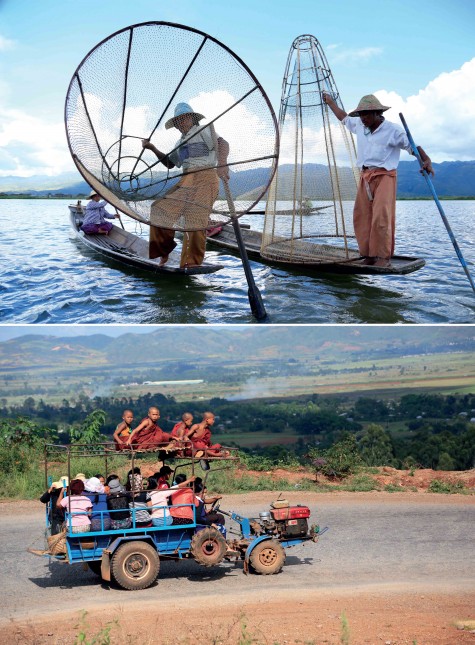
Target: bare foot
{"x": 368, "y": 261}
{"x": 382, "y": 262}
{"x": 163, "y": 260}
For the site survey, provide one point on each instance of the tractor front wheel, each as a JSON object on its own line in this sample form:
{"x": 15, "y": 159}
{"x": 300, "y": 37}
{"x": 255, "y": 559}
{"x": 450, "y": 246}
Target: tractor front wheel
{"x": 267, "y": 557}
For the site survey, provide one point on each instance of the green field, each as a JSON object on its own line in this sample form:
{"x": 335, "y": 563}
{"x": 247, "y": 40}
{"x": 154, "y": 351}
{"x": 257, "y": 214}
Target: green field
{"x": 384, "y": 378}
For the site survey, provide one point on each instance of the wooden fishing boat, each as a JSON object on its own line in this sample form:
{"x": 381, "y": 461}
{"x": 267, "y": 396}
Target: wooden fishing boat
{"x": 332, "y": 259}
{"x": 130, "y": 249}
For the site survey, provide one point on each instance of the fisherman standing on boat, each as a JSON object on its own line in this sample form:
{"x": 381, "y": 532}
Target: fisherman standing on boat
{"x": 198, "y": 151}
{"x": 379, "y": 144}
{"x": 95, "y": 218}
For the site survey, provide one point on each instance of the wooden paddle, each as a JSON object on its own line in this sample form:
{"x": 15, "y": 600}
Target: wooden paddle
{"x": 120, "y": 218}
{"x": 253, "y": 293}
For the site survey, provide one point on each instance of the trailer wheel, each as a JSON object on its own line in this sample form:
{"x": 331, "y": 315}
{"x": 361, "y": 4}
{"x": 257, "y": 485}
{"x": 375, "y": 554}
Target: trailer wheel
{"x": 208, "y": 547}
{"x": 267, "y": 557}
{"x": 135, "y": 565}
{"x": 95, "y": 567}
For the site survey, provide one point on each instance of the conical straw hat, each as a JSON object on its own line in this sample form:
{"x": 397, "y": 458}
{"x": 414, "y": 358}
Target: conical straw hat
{"x": 367, "y": 103}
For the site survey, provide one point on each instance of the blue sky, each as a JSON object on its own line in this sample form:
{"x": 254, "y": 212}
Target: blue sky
{"x": 417, "y": 57}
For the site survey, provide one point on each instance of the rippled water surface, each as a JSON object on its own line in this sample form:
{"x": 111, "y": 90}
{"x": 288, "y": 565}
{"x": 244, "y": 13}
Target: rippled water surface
{"x": 48, "y": 277}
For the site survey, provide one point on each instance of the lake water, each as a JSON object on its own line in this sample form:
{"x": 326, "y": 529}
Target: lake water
{"x": 48, "y": 277}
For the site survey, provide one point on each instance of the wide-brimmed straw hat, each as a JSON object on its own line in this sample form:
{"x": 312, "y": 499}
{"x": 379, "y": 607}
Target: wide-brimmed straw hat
{"x": 180, "y": 109}
{"x": 81, "y": 476}
{"x": 92, "y": 194}
{"x": 63, "y": 482}
{"x": 368, "y": 103}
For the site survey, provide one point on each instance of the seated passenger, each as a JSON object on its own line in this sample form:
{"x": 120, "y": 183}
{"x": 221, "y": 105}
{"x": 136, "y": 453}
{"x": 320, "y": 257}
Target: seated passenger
{"x": 100, "y": 517}
{"x": 78, "y": 506}
{"x": 163, "y": 477}
{"x": 118, "y": 504}
{"x": 181, "y": 428}
{"x": 180, "y": 431}
{"x": 134, "y": 479}
{"x": 108, "y": 481}
{"x": 50, "y": 497}
{"x": 123, "y": 431}
{"x": 139, "y": 512}
{"x": 159, "y": 498}
{"x": 183, "y": 514}
{"x": 148, "y": 435}
{"x": 94, "y": 222}
{"x": 202, "y": 515}
{"x": 200, "y": 436}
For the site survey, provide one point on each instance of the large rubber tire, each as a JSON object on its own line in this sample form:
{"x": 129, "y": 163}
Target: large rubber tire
{"x": 267, "y": 557}
{"x": 95, "y": 567}
{"x": 208, "y": 547}
{"x": 135, "y": 565}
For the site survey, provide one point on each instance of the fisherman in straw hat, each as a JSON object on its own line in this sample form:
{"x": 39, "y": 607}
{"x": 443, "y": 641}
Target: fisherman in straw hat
{"x": 95, "y": 218}
{"x": 203, "y": 156}
{"x": 379, "y": 143}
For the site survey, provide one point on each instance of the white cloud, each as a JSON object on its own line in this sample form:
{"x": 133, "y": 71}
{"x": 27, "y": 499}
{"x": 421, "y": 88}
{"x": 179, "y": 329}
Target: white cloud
{"x": 441, "y": 116}
{"x": 353, "y": 55}
{"x": 6, "y": 44}
{"x": 31, "y": 146}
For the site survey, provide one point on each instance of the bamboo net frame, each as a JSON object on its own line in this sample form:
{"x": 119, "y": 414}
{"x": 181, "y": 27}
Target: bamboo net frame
{"x": 310, "y": 200}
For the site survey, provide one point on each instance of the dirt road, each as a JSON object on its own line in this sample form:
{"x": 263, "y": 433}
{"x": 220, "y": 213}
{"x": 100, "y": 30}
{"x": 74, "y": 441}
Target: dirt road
{"x": 396, "y": 568}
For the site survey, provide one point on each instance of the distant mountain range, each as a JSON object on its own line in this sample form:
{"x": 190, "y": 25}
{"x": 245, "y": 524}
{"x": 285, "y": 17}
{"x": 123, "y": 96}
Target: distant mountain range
{"x": 452, "y": 178}
{"x": 230, "y": 346}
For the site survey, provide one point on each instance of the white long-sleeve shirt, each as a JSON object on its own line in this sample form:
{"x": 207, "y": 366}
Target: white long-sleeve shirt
{"x": 380, "y": 148}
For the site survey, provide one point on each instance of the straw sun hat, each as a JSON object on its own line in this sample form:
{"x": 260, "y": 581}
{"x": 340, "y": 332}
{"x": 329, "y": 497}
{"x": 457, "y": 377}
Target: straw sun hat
{"x": 368, "y": 103}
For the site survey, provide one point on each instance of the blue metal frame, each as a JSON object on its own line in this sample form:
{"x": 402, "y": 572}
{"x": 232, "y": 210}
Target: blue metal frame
{"x": 172, "y": 539}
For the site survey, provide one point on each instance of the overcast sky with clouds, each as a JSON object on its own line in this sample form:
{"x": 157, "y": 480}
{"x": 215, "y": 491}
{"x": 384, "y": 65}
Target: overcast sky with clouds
{"x": 417, "y": 57}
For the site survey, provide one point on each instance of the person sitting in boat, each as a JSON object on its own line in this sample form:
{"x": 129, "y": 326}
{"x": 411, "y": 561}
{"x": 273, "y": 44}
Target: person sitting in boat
{"x": 379, "y": 145}
{"x": 203, "y": 156}
{"x": 123, "y": 430}
{"x": 148, "y": 435}
{"x": 94, "y": 222}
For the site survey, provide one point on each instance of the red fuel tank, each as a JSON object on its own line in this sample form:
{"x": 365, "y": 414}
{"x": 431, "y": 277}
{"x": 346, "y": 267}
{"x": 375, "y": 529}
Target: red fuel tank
{"x": 290, "y": 513}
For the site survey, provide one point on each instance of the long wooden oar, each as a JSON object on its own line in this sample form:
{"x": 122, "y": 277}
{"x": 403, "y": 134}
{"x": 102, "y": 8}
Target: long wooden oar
{"x": 436, "y": 199}
{"x": 255, "y": 299}
{"x": 120, "y": 218}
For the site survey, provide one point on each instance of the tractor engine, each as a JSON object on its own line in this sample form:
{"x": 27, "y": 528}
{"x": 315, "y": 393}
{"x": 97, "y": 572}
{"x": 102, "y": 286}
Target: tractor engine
{"x": 286, "y": 522}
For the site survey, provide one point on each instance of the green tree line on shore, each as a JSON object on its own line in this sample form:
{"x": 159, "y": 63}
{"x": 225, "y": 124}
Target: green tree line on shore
{"x": 427, "y": 430}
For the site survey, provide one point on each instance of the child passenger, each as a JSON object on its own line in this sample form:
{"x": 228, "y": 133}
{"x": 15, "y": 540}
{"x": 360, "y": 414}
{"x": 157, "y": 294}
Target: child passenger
{"x": 148, "y": 435}
{"x": 123, "y": 430}
{"x": 200, "y": 436}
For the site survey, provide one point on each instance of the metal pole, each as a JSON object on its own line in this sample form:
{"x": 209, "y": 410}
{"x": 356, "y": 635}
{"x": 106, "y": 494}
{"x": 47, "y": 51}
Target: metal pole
{"x": 253, "y": 293}
{"x": 438, "y": 204}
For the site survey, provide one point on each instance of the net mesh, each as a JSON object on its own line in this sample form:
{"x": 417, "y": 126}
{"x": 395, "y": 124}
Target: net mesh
{"x": 310, "y": 201}
{"x": 127, "y": 88}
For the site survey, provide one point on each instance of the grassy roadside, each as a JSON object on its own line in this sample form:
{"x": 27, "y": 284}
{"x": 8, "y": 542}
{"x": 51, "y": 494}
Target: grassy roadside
{"x": 25, "y": 480}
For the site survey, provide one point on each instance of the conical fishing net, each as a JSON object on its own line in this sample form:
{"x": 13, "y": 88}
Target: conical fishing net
{"x": 129, "y": 87}
{"x": 310, "y": 202}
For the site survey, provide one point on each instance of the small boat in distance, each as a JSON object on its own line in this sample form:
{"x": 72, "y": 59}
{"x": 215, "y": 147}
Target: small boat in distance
{"x": 130, "y": 249}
